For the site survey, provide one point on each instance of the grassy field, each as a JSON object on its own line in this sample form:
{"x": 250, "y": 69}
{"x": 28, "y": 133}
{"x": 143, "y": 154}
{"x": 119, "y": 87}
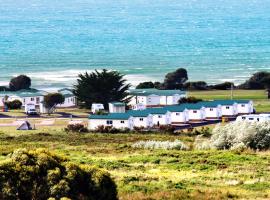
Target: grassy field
{"x": 154, "y": 174}
{"x": 262, "y": 104}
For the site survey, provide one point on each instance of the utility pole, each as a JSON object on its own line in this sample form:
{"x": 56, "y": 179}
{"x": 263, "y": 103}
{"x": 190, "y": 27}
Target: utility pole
{"x": 231, "y": 91}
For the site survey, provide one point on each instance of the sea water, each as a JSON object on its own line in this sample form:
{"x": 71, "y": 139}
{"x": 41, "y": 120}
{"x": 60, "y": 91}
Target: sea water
{"x": 54, "y": 40}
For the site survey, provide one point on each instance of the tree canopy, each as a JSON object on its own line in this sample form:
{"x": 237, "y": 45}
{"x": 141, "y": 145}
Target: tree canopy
{"x": 101, "y": 87}
{"x": 20, "y": 82}
{"x": 39, "y": 174}
{"x": 176, "y": 79}
{"x": 259, "y": 80}
{"x": 52, "y": 99}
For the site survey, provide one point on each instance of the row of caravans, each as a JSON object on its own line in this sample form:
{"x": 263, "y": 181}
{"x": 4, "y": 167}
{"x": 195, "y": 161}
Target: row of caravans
{"x": 173, "y": 114}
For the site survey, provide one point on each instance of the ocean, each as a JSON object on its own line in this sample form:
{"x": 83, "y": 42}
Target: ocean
{"x": 54, "y": 40}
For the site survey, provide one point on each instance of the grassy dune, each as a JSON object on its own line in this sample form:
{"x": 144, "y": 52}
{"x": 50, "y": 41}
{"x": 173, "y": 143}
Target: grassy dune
{"x": 154, "y": 174}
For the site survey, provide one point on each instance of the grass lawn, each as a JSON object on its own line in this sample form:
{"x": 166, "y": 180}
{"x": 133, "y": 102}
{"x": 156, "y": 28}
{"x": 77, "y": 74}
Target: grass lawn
{"x": 154, "y": 174}
{"x": 262, "y": 104}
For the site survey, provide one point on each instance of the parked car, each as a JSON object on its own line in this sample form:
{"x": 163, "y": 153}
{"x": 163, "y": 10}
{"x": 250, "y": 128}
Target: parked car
{"x": 32, "y": 112}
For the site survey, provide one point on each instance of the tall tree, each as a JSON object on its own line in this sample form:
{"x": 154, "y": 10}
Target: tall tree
{"x": 20, "y": 82}
{"x": 101, "y": 87}
{"x": 176, "y": 79}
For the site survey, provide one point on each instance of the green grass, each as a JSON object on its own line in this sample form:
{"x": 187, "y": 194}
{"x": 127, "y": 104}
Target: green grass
{"x": 154, "y": 174}
{"x": 262, "y": 104}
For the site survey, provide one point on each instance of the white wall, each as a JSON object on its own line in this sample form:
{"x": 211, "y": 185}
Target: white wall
{"x": 229, "y": 110}
{"x": 69, "y": 102}
{"x": 116, "y": 109}
{"x": 245, "y": 108}
{"x": 162, "y": 119}
{"x": 197, "y": 115}
{"x": 179, "y": 117}
{"x": 170, "y": 100}
{"x": 213, "y": 112}
{"x": 94, "y": 123}
{"x": 145, "y": 122}
{"x": 151, "y": 100}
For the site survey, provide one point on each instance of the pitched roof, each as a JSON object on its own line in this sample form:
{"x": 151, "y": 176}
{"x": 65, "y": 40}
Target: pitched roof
{"x": 24, "y": 93}
{"x": 225, "y": 102}
{"x": 116, "y": 103}
{"x": 148, "y": 92}
{"x": 156, "y": 110}
{"x": 138, "y": 113}
{"x": 117, "y": 116}
{"x": 175, "y": 108}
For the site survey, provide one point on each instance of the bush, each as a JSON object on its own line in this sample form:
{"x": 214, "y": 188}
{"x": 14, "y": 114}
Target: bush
{"x": 79, "y": 128}
{"x": 151, "y": 144}
{"x": 189, "y": 100}
{"x": 13, "y": 105}
{"x": 39, "y": 174}
{"x": 222, "y": 86}
{"x": 199, "y": 85}
{"x": 110, "y": 129}
{"x": 167, "y": 128}
{"x": 254, "y": 135}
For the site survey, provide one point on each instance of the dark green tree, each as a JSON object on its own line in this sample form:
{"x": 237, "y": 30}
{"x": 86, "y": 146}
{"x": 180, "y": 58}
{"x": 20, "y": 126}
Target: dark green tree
{"x": 189, "y": 100}
{"x": 20, "y": 82}
{"x": 52, "y": 99}
{"x": 145, "y": 85}
{"x": 256, "y": 81}
{"x": 39, "y": 174}
{"x": 101, "y": 87}
{"x": 176, "y": 79}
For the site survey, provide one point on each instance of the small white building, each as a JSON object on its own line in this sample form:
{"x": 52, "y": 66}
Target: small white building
{"x": 139, "y": 106}
{"x": 254, "y": 118}
{"x": 117, "y": 107}
{"x": 141, "y": 118}
{"x": 154, "y": 97}
{"x": 244, "y": 106}
{"x": 179, "y": 114}
{"x": 228, "y": 107}
{"x": 196, "y": 112}
{"x": 116, "y": 120}
{"x": 161, "y": 116}
{"x": 70, "y": 99}
{"x": 212, "y": 109}
{"x": 30, "y": 96}
{"x": 97, "y": 107}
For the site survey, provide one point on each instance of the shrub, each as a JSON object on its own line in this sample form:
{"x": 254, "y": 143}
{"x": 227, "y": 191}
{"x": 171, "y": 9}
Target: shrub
{"x": 189, "y": 100}
{"x": 110, "y": 129}
{"x": 167, "y": 128}
{"x": 15, "y": 104}
{"x": 254, "y": 135}
{"x": 79, "y": 128}
{"x": 151, "y": 144}
{"x": 39, "y": 174}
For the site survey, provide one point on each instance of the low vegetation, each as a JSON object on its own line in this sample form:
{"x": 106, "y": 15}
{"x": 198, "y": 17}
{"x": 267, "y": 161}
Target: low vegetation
{"x": 237, "y": 135}
{"x": 151, "y": 144}
{"x": 39, "y": 174}
{"x": 143, "y": 173}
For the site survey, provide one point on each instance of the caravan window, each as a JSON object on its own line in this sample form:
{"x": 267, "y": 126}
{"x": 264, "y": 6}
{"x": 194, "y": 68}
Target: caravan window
{"x": 251, "y": 118}
{"x": 141, "y": 119}
{"x": 243, "y": 117}
{"x": 122, "y": 122}
{"x": 159, "y": 116}
{"x": 227, "y": 107}
{"x": 194, "y": 111}
{"x": 211, "y": 109}
{"x": 177, "y": 114}
{"x": 32, "y": 99}
{"x": 109, "y": 122}
{"x": 258, "y": 119}
{"x": 243, "y": 105}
